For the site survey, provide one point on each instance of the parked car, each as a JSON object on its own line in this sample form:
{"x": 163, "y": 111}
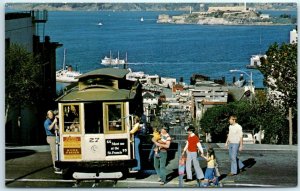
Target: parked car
{"x": 248, "y": 138}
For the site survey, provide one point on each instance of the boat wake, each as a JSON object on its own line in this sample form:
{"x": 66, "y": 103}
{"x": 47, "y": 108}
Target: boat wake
{"x": 191, "y": 63}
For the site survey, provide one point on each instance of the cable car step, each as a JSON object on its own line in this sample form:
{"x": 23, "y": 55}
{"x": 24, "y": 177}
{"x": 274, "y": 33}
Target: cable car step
{"x": 101, "y": 175}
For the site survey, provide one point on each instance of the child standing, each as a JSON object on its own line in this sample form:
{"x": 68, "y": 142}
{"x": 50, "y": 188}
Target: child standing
{"x": 210, "y": 174}
{"x": 181, "y": 166}
{"x": 181, "y": 169}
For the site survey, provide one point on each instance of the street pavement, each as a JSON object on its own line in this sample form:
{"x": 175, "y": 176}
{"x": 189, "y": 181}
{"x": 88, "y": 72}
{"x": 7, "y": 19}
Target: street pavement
{"x": 268, "y": 166}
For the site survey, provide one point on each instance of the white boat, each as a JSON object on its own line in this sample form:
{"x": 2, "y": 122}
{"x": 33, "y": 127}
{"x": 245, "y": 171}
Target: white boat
{"x": 142, "y": 19}
{"x": 100, "y": 24}
{"x": 109, "y": 61}
{"x": 255, "y": 61}
{"x": 66, "y": 74}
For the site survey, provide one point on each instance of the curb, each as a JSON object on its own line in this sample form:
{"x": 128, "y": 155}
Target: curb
{"x": 39, "y": 148}
{"x": 263, "y": 147}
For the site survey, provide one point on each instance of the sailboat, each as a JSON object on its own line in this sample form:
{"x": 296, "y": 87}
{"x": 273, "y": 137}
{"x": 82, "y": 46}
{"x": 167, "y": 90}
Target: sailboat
{"x": 66, "y": 74}
{"x": 107, "y": 61}
{"x": 142, "y": 19}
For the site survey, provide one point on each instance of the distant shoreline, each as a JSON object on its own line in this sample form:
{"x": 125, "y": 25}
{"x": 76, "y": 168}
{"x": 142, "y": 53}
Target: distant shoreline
{"x": 138, "y": 6}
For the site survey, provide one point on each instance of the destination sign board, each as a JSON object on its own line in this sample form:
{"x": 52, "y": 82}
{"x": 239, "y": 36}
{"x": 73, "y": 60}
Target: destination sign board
{"x": 116, "y": 147}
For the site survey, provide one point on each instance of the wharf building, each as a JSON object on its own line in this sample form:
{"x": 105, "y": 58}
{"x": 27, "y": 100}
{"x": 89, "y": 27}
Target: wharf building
{"x": 24, "y": 125}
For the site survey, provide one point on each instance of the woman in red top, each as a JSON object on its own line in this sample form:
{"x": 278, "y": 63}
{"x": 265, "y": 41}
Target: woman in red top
{"x": 191, "y": 148}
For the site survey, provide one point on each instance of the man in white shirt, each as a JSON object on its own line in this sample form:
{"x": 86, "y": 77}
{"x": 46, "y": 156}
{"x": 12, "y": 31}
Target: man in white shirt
{"x": 234, "y": 143}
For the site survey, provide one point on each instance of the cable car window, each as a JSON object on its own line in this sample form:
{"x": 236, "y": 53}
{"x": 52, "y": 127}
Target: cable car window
{"x": 93, "y": 118}
{"x": 71, "y": 119}
{"x": 114, "y": 117}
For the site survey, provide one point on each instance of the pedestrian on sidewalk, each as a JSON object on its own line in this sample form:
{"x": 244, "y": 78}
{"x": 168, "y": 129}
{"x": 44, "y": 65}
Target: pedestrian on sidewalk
{"x": 51, "y": 126}
{"x": 234, "y": 143}
{"x": 192, "y": 146}
{"x": 160, "y": 162}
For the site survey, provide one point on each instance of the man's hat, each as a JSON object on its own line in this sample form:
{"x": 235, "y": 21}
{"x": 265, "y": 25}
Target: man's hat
{"x": 191, "y": 128}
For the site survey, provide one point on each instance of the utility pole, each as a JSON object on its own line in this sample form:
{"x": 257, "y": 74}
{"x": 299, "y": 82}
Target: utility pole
{"x": 290, "y": 127}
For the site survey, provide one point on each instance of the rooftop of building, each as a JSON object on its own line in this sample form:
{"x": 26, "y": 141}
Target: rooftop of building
{"x": 17, "y": 15}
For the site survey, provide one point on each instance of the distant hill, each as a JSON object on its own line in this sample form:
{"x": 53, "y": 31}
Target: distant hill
{"x": 142, "y": 6}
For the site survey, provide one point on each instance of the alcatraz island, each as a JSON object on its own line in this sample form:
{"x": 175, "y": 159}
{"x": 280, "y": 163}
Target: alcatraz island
{"x": 190, "y": 13}
{"x": 235, "y": 15}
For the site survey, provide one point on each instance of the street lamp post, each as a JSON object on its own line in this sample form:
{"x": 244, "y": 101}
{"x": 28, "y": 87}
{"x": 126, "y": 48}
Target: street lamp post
{"x": 251, "y": 82}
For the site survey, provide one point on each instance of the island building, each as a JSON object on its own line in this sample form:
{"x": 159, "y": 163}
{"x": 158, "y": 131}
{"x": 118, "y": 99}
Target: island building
{"x": 23, "y": 125}
{"x": 228, "y": 9}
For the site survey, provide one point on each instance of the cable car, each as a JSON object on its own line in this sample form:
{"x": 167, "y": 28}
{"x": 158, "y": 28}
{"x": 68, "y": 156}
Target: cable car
{"x": 95, "y": 117}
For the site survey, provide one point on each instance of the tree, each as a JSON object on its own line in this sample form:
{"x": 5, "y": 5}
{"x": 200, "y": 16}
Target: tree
{"x": 215, "y": 119}
{"x": 270, "y": 119}
{"x": 22, "y": 77}
{"x": 280, "y": 76}
{"x": 252, "y": 117}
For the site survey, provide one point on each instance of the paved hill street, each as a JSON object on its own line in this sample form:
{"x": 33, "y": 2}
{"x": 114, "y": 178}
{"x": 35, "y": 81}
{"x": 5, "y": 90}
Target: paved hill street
{"x": 271, "y": 166}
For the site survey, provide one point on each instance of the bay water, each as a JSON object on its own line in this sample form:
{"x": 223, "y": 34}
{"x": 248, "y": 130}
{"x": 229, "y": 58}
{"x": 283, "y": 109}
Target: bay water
{"x": 168, "y": 50}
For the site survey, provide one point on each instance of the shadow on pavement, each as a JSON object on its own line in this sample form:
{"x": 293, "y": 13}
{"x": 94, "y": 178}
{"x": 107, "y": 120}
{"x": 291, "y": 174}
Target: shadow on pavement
{"x": 172, "y": 175}
{"x": 249, "y": 162}
{"x": 33, "y": 172}
{"x": 222, "y": 177}
{"x": 17, "y": 153}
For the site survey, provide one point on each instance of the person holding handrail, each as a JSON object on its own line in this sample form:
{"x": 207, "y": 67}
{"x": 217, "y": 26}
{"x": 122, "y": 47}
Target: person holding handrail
{"x": 135, "y": 131}
{"x": 51, "y": 126}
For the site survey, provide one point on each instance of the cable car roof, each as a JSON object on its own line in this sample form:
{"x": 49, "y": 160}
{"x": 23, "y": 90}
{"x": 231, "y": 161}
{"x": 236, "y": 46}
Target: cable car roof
{"x": 97, "y": 94}
{"x": 106, "y": 84}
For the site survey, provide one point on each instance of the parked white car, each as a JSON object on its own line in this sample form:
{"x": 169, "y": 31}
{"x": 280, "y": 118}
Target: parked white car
{"x": 248, "y": 138}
